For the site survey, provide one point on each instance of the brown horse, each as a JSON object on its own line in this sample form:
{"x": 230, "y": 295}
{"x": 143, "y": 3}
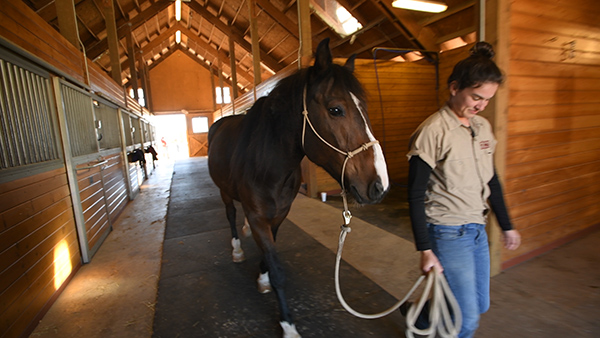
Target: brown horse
{"x": 318, "y": 112}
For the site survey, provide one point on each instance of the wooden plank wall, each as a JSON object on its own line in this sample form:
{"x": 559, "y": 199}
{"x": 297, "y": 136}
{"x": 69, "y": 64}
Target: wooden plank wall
{"x": 36, "y": 216}
{"x": 24, "y": 28}
{"x": 408, "y": 96}
{"x": 115, "y": 184}
{"x": 36, "y": 222}
{"x": 20, "y": 25}
{"x": 93, "y": 203}
{"x": 553, "y": 155}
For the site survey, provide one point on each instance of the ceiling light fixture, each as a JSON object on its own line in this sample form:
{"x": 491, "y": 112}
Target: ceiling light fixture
{"x": 430, "y": 6}
{"x": 178, "y": 10}
{"x": 178, "y": 37}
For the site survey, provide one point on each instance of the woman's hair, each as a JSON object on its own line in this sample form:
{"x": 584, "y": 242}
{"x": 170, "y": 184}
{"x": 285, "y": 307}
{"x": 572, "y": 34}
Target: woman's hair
{"x": 477, "y": 69}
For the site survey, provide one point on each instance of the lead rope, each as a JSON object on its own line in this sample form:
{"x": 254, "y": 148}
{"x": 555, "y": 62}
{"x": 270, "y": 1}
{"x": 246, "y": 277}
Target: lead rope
{"x": 439, "y": 315}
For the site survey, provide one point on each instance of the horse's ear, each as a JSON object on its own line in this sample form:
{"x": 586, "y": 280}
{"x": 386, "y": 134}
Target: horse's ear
{"x": 350, "y": 63}
{"x": 323, "y": 57}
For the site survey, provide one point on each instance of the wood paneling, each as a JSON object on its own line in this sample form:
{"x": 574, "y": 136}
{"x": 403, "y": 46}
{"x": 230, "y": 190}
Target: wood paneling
{"x": 36, "y": 217}
{"x": 27, "y": 30}
{"x": 553, "y": 153}
{"x": 197, "y": 142}
{"x": 115, "y": 185}
{"x": 93, "y": 203}
{"x": 400, "y": 96}
{"x": 24, "y": 28}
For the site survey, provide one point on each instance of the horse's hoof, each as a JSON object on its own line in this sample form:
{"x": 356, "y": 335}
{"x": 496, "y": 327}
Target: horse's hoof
{"x": 246, "y": 231}
{"x": 289, "y": 330}
{"x": 238, "y": 257}
{"x": 264, "y": 284}
{"x": 238, "y": 253}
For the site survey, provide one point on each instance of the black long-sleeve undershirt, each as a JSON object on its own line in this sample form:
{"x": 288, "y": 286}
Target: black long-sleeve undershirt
{"x": 418, "y": 178}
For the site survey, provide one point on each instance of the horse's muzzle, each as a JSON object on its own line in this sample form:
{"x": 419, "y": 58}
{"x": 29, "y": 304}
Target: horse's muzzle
{"x": 374, "y": 194}
{"x": 376, "y": 191}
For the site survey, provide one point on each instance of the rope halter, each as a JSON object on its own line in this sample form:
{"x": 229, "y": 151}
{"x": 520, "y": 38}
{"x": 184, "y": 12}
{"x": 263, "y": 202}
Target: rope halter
{"x": 349, "y": 154}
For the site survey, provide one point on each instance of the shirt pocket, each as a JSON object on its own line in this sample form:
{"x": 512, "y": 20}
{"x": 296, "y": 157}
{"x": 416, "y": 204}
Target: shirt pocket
{"x": 458, "y": 173}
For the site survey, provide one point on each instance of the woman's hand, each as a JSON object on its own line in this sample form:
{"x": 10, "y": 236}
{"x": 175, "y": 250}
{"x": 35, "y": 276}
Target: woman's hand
{"x": 512, "y": 239}
{"x": 429, "y": 261}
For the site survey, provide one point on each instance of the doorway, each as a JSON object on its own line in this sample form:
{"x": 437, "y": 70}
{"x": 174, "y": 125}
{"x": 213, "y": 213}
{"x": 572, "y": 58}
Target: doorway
{"x": 171, "y": 134}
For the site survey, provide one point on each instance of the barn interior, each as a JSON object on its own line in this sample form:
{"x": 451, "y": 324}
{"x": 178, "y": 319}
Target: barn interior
{"x": 87, "y": 88}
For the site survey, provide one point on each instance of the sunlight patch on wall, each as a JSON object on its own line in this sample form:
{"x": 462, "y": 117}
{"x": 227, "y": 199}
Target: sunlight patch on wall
{"x": 62, "y": 263}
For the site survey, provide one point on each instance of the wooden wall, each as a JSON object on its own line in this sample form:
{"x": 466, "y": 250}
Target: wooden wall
{"x": 192, "y": 89}
{"x": 553, "y": 130}
{"x": 39, "y": 248}
{"x": 197, "y": 142}
{"x": 400, "y": 96}
{"x": 93, "y": 203}
{"x": 115, "y": 184}
{"x": 36, "y": 224}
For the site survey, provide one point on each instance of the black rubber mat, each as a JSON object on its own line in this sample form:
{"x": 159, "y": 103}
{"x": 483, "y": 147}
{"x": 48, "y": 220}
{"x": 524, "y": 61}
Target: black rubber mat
{"x": 202, "y": 293}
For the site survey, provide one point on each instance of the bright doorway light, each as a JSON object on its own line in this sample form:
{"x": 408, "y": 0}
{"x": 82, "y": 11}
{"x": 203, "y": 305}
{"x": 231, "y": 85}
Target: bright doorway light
{"x": 171, "y": 136}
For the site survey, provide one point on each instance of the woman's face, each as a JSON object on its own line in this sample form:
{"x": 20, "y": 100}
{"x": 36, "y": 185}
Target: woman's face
{"x": 468, "y": 102}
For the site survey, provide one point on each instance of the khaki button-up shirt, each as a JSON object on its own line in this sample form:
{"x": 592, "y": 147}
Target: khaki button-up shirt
{"x": 462, "y": 165}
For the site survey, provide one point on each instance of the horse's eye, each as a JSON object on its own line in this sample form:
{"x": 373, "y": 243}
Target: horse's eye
{"x": 336, "y": 111}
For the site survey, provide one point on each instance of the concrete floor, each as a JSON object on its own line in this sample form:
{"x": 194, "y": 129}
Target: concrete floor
{"x": 554, "y": 295}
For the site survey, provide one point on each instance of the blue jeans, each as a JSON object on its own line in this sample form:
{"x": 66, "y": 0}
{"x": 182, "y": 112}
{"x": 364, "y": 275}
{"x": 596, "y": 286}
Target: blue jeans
{"x": 464, "y": 253}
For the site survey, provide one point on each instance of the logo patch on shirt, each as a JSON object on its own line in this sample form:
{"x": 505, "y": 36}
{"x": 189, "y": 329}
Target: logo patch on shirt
{"x": 484, "y": 144}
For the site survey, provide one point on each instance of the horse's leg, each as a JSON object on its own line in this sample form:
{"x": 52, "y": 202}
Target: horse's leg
{"x": 276, "y": 275}
{"x": 246, "y": 228}
{"x": 264, "y": 285}
{"x": 237, "y": 253}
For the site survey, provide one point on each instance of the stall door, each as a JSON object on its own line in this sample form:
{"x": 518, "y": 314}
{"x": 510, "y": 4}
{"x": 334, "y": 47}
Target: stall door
{"x": 197, "y": 133}
{"x": 85, "y": 167}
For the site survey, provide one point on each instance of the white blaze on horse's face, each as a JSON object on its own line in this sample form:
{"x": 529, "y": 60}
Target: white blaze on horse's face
{"x": 380, "y": 166}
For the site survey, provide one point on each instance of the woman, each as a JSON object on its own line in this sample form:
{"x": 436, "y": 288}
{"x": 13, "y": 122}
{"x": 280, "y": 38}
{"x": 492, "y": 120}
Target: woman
{"x": 451, "y": 179}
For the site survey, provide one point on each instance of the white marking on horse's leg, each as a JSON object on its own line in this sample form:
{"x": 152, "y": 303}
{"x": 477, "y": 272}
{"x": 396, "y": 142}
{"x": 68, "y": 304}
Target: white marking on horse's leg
{"x": 264, "y": 284}
{"x": 380, "y": 165}
{"x": 246, "y": 231}
{"x": 289, "y": 330}
{"x": 238, "y": 253}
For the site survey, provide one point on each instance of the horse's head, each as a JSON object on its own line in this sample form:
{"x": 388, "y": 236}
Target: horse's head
{"x": 338, "y": 125}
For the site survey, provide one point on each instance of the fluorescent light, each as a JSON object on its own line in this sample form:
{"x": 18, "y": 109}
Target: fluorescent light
{"x": 178, "y": 36}
{"x": 430, "y": 6}
{"x": 178, "y": 10}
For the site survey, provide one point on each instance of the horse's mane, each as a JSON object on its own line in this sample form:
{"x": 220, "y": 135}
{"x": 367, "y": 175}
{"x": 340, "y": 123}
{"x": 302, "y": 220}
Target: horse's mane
{"x": 277, "y": 118}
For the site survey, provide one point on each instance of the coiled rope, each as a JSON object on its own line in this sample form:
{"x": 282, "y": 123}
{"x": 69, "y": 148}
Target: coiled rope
{"x": 440, "y": 318}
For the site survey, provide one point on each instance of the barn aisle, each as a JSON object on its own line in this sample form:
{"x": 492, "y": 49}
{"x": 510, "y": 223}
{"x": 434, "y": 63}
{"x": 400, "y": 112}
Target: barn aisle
{"x": 114, "y": 295}
{"x": 203, "y": 294}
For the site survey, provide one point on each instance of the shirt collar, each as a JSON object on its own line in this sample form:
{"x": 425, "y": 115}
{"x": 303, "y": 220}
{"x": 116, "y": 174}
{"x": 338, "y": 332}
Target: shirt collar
{"x": 450, "y": 118}
{"x": 453, "y": 122}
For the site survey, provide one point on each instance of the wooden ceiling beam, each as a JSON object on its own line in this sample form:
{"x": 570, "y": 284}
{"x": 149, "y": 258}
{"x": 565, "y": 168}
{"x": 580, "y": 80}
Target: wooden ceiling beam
{"x": 192, "y": 36}
{"x": 279, "y": 17}
{"x": 268, "y": 60}
{"x": 212, "y": 70}
{"x": 98, "y": 48}
{"x": 218, "y": 53}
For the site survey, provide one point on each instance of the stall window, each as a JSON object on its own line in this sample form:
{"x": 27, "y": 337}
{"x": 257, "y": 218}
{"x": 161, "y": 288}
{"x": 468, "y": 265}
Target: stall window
{"x": 200, "y": 125}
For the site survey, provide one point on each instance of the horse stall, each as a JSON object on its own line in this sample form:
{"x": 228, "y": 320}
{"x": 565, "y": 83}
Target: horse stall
{"x": 64, "y": 176}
